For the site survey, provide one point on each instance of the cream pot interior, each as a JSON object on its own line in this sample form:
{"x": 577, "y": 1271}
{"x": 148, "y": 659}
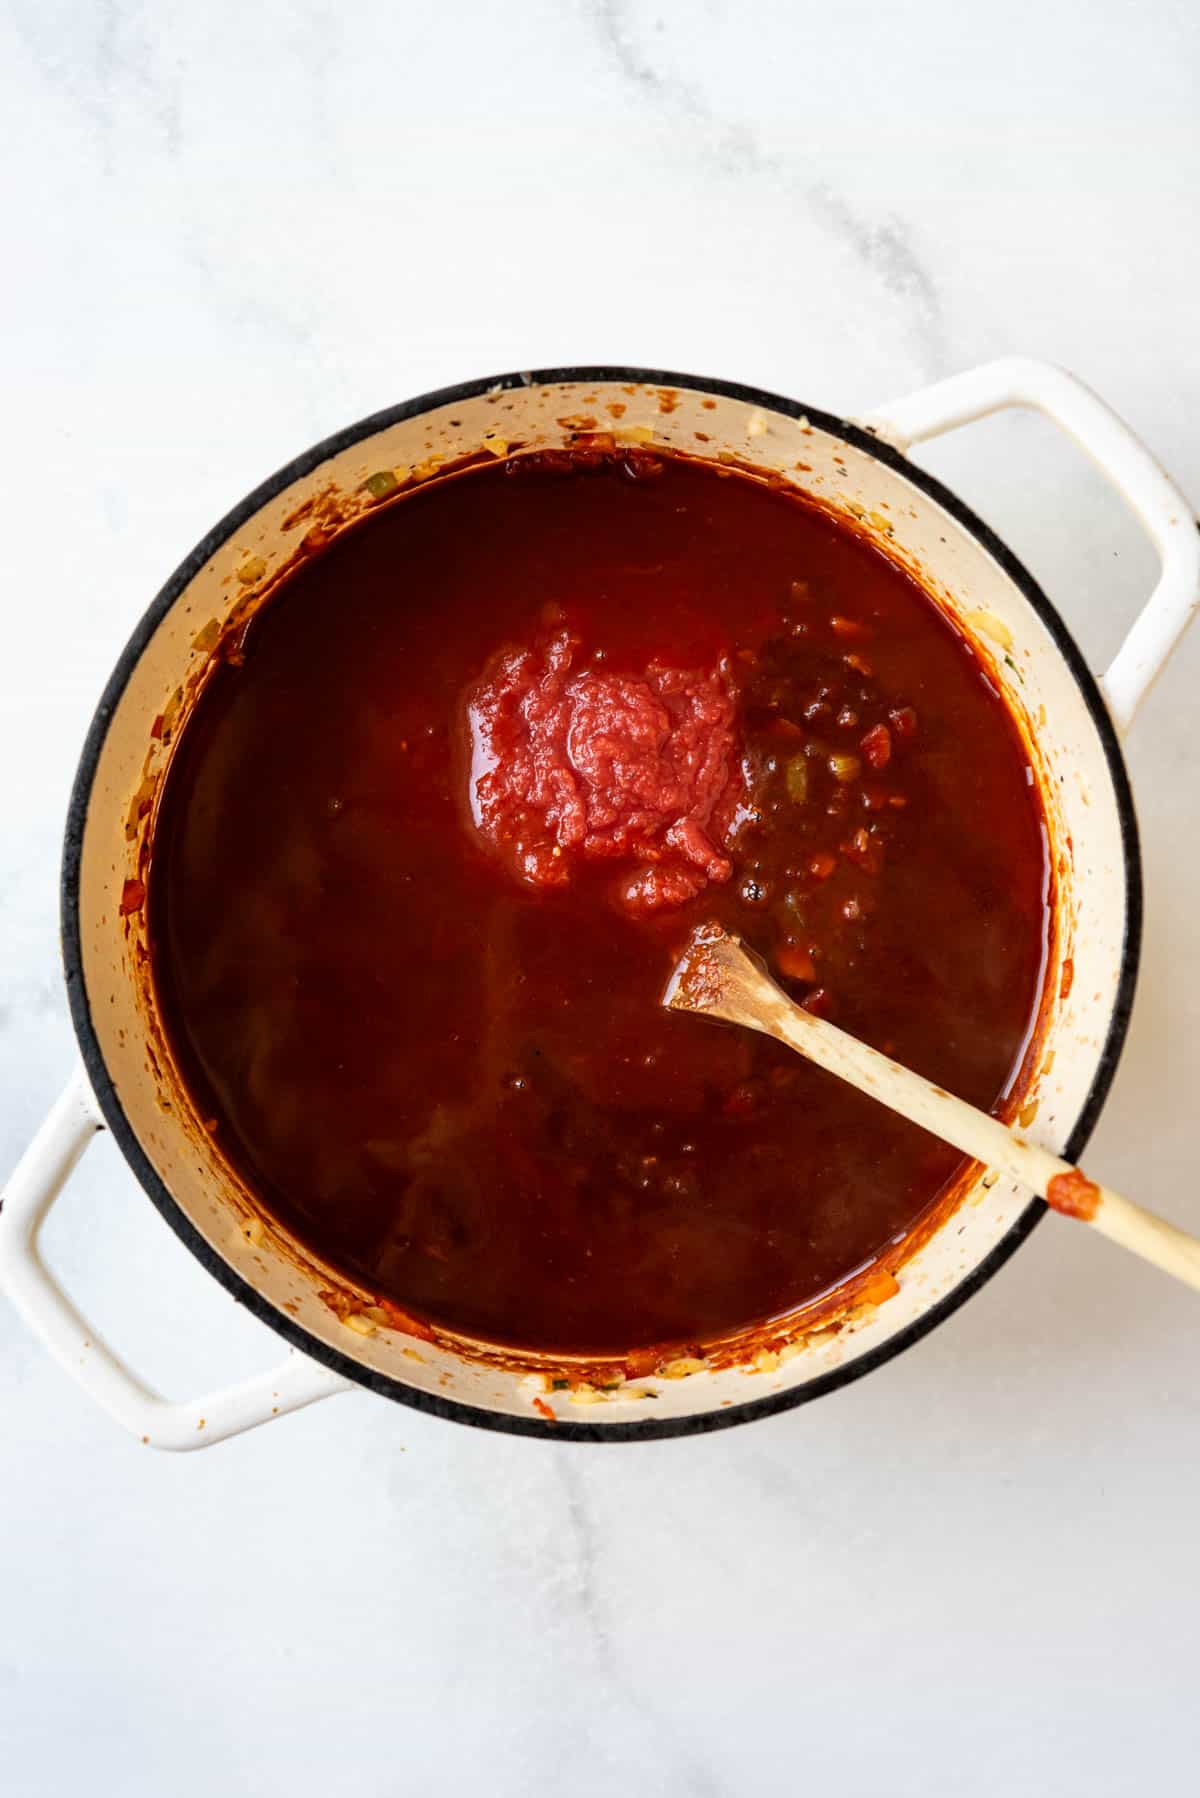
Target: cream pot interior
{"x": 1033, "y": 660}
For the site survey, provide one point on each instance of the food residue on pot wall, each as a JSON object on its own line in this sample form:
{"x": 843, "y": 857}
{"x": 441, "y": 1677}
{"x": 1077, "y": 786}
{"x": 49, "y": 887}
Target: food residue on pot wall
{"x": 329, "y": 513}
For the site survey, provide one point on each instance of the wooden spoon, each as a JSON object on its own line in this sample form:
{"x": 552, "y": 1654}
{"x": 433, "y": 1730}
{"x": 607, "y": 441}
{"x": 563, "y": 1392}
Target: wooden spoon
{"x": 720, "y": 978}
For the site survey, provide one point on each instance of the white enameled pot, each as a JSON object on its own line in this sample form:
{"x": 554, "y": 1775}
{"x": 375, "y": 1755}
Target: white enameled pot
{"x": 1072, "y": 724}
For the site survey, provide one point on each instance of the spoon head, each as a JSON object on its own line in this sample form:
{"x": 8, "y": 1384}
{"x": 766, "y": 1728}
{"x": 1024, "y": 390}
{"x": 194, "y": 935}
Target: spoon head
{"x": 718, "y": 977}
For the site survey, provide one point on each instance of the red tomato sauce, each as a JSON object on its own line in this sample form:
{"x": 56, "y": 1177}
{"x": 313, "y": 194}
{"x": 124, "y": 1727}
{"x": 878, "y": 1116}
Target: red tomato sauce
{"x": 603, "y": 765}
{"x": 435, "y": 1047}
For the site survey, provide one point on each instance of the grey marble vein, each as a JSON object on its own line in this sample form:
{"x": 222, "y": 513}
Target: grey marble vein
{"x": 884, "y": 247}
{"x": 690, "y": 1777}
{"x": 107, "y": 63}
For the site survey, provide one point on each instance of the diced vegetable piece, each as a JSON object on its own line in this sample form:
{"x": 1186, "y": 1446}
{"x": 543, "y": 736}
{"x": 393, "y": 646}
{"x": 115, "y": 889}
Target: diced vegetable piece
{"x": 796, "y": 780}
{"x": 904, "y": 722}
{"x": 819, "y": 1002}
{"x": 795, "y": 963}
{"x": 878, "y": 1287}
{"x": 682, "y": 1366}
{"x": 845, "y": 768}
{"x": 133, "y": 897}
{"x": 990, "y": 626}
{"x": 859, "y": 664}
{"x": 850, "y": 630}
{"x": 877, "y": 746}
{"x": 865, "y": 851}
{"x": 822, "y": 865}
{"x": 381, "y": 483}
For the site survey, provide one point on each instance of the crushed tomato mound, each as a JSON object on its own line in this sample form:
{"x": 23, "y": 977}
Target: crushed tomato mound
{"x": 591, "y": 765}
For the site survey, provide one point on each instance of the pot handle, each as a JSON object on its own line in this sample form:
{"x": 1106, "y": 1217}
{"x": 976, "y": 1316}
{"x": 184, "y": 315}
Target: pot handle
{"x": 35, "y": 1184}
{"x": 1112, "y": 446}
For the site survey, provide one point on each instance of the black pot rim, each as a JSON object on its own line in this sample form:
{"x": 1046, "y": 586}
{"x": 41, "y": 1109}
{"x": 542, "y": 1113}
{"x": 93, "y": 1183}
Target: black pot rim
{"x": 248, "y": 1295}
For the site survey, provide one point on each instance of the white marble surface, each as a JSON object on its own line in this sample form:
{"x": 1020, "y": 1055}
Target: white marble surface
{"x": 229, "y": 229}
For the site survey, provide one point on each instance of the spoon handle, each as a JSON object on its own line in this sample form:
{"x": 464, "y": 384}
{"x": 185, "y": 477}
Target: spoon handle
{"x": 733, "y": 986}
